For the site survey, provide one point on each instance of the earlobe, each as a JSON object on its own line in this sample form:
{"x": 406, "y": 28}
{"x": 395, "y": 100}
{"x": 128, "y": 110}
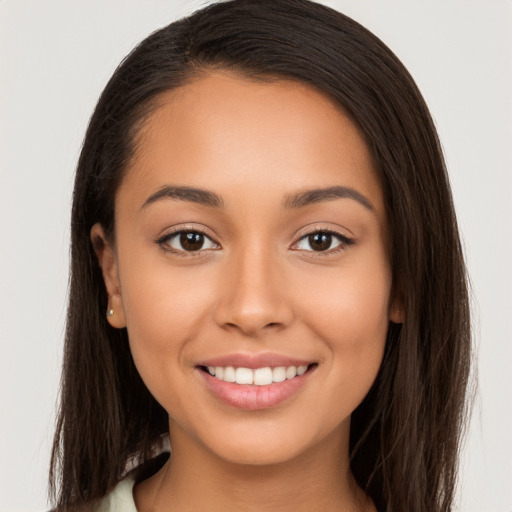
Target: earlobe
{"x": 397, "y": 314}
{"x": 107, "y": 260}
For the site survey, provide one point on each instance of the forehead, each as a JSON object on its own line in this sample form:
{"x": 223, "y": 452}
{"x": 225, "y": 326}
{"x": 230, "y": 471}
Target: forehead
{"x": 225, "y": 132}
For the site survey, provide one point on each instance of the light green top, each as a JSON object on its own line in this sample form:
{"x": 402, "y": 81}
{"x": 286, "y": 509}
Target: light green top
{"x": 120, "y": 499}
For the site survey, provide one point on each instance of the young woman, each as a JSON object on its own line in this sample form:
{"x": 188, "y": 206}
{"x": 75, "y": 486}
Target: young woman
{"x": 265, "y": 270}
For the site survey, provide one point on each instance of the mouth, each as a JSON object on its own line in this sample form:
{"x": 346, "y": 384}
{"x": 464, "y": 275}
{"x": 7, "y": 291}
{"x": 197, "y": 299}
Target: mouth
{"x": 255, "y": 388}
{"x": 263, "y": 376}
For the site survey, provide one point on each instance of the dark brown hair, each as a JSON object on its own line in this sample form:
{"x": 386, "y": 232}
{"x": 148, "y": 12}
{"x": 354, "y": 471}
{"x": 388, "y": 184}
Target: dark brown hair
{"x": 405, "y": 435}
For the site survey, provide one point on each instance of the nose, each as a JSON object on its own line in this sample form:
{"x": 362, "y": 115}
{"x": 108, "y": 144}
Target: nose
{"x": 253, "y": 295}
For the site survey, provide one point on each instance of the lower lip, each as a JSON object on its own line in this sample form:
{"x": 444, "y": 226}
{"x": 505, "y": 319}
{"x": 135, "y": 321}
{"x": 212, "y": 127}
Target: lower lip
{"x": 252, "y": 397}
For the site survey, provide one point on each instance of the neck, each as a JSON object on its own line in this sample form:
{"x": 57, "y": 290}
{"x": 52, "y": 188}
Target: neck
{"x": 196, "y": 479}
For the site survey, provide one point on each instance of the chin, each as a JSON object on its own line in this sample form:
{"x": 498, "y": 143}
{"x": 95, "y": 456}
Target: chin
{"x": 271, "y": 443}
{"x": 257, "y": 456}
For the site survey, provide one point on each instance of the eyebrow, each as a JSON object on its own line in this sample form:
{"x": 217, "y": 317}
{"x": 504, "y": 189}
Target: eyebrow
{"x": 299, "y": 200}
{"x": 321, "y": 195}
{"x": 192, "y": 194}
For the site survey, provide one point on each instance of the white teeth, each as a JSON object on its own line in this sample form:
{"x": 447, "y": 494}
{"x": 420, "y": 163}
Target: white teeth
{"x": 301, "y": 370}
{"x": 279, "y": 374}
{"x": 243, "y": 376}
{"x": 259, "y": 376}
{"x": 291, "y": 371}
{"x": 263, "y": 376}
{"x": 229, "y": 374}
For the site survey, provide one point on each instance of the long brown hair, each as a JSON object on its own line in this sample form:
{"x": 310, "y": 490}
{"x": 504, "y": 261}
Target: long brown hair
{"x": 405, "y": 435}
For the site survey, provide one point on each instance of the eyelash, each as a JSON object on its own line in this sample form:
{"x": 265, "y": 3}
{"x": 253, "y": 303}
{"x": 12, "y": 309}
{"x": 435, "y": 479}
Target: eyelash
{"x": 163, "y": 242}
{"x": 344, "y": 241}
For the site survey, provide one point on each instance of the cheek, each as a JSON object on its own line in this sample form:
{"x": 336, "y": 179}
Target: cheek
{"x": 164, "y": 310}
{"x": 163, "y": 303}
{"x": 349, "y": 310}
{"x": 352, "y": 325}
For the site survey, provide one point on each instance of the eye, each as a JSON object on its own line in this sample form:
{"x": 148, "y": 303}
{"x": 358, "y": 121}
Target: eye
{"x": 187, "y": 241}
{"x": 323, "y": 241}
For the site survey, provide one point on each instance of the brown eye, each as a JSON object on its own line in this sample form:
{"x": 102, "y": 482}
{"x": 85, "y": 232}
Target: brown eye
{"x": 323, "y": 241}
{"x": 191, "y": 241}
{"x": 320, "y": 241}
{"x": 187, "y": 241}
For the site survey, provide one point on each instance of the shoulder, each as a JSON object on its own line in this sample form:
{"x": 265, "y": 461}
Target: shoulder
{"x": 120, "y": 499}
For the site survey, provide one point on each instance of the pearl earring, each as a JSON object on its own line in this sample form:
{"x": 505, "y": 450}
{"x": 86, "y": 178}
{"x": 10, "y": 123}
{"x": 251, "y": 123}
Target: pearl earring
{"x": 110, "y": 312}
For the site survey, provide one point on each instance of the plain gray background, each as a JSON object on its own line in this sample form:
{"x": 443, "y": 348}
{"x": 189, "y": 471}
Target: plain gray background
{"x": 55, "y": 59}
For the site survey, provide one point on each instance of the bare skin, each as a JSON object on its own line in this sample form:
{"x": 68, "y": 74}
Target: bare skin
{"x": 271, "y": 272}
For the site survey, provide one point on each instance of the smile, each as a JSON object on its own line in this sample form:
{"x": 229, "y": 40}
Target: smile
{"x": 256, "y": 388}
{"x": 257, "y": 376}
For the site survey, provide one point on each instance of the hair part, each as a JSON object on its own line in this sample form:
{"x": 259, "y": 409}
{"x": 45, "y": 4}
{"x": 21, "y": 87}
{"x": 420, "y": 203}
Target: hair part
{"x": 405, "y": 436}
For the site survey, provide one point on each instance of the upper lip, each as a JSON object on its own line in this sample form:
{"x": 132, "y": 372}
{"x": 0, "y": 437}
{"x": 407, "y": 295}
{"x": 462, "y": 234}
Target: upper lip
{"x": 253, "y": 361}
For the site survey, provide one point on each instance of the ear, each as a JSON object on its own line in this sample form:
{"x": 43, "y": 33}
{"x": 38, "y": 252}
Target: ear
{"x": 107, "y": 260}
{"x": 397, "y": 311}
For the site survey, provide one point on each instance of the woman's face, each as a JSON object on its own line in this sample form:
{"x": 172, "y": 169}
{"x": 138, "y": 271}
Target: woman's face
{"x": 251, "y": 239}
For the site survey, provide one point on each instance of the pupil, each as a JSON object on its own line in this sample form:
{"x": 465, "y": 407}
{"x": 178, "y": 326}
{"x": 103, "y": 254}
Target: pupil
{"x": 191, "y": 241}
{"x": 320, "y": 241}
